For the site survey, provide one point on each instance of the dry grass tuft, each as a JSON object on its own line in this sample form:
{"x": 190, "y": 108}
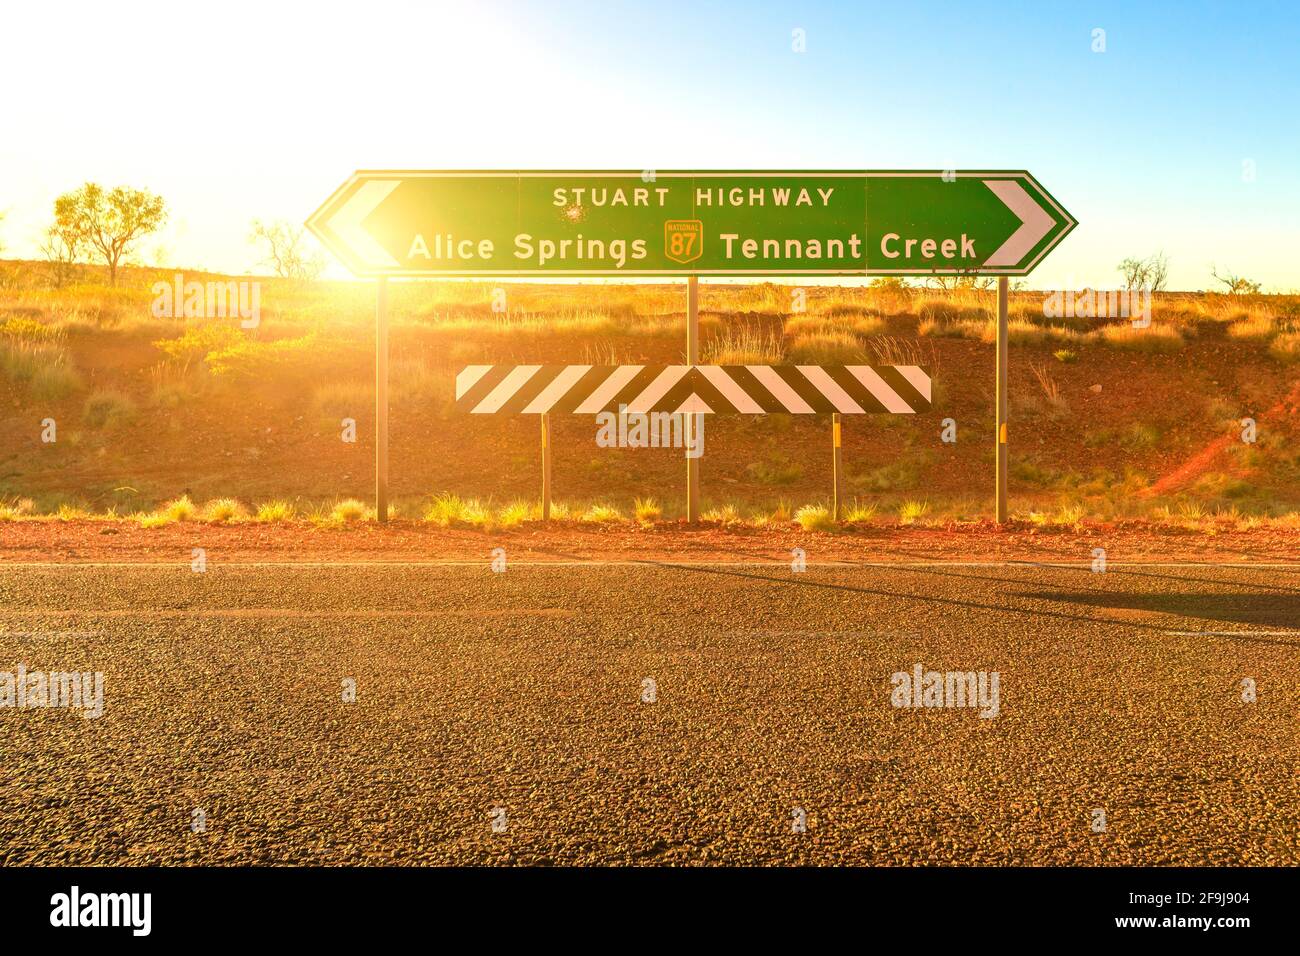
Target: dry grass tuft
{"x": 910, "y": 512}
{"x": 815, "y": 518}
{"x": 1286, "y": 347}
{"x": 727, "y": 516}
{"x": 19, "y": 508}
{"x": 859, "y": 513}
{"x": 223, "y": 510}
{"x": 749, "y": 345}
{"x": 451, "y": 511}
{"x": 350, "y": 510}
{"x": 647, "y": 511}
{"x": 602, "y": 514}
{"x": 174, "y": 511}
{"x": 516, "y": 513}
{"x": 273, "y": 511}
{"x": 1155, "y": 338}
{"x": 826, "y": 348}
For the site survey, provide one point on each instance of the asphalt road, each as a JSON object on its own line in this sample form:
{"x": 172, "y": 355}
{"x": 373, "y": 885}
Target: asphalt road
{"x": 523, "y": 690}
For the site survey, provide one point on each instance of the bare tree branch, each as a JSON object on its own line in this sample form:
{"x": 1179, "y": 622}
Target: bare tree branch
{"x": 286, "y": 250}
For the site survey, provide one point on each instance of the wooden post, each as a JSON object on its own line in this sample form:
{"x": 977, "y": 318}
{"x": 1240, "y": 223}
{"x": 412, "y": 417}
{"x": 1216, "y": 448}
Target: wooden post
{"x": 692, "y": 420}
{"x": 546, "y": 466}
{"x": 1001, "y": 493}
{"x": 837, "y": 463}
{"x": 381, "y": 399}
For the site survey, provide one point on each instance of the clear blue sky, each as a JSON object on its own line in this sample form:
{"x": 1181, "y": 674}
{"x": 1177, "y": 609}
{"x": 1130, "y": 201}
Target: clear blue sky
{"x": 247, "y": 109}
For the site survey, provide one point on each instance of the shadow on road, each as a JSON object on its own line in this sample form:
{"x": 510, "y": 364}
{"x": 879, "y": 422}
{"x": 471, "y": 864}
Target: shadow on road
{"x": 1261, "y": 609}
{"x": 802, "y": 581}
{"x": 1195, "y": 579}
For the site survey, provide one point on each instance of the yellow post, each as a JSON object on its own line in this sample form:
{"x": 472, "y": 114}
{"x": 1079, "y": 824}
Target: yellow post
{"x": 837, "y": 462}
{"x": 546, "y": 467}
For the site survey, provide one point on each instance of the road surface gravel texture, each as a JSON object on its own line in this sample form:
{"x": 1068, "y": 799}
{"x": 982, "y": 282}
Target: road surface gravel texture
{"x": 521, "y": 699}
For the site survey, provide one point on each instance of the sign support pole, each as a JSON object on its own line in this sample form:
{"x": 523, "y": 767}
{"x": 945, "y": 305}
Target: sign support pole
{"x": 837, "y": 463}
{"x": 693, "y": 420}
{"x": 546, "y": 466}
{"x": 381, "y": 400}
{"x": 1002, "y": 402}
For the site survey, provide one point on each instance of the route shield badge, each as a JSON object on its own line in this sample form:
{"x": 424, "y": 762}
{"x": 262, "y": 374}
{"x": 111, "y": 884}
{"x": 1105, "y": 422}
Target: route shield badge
{"x": 683, "y": 239}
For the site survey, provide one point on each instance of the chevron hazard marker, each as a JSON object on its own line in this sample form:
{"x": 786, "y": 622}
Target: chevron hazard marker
{"x": 684, "y": 389}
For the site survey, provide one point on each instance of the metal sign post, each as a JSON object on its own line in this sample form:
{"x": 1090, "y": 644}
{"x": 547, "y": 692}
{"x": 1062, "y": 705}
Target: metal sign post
{"x": 1002, "y": 402}
{"x": 381, "y": 399}
{"x": 692, "y": 421}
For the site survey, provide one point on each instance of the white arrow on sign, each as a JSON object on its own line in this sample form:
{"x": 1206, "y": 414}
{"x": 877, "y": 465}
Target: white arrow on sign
{"x": 1035, "y": 223}
{"x": 346, "y": 223}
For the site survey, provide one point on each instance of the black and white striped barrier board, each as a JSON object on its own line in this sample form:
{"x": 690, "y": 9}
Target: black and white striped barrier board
{"x": 680, "y": 389}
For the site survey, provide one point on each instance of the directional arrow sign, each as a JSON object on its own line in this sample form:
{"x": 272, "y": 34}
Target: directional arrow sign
{"x": 605, "y": 223}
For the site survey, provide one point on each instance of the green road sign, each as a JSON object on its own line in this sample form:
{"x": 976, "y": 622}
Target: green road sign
{"x": 609, "y": 223}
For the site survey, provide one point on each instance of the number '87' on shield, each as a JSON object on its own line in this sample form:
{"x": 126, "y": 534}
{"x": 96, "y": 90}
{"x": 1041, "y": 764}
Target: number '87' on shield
{"x": 683, "y": 239}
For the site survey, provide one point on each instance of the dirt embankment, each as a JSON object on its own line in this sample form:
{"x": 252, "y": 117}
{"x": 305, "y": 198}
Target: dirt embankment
{"x": 84, "y": 541}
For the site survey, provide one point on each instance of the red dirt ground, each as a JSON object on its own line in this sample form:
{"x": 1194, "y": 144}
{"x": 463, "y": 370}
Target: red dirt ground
{"x": 1282, "y": 415}
{"x": 84, "y": 541}
{"x": 264, "y": 439}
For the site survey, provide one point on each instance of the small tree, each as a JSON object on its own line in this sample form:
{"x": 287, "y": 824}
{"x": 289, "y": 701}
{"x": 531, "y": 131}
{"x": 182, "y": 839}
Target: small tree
{"x": 1236, "y": 285}
{"x": 1158, "y": 272}
{"x": 109, "y": 222}
{"x": 6, "y": 279}
{"x": 61, "y": 247}
{"x": 951, "y": 283}
{"x": 1150, "y": 275}
{"x": 286, "y": 252}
